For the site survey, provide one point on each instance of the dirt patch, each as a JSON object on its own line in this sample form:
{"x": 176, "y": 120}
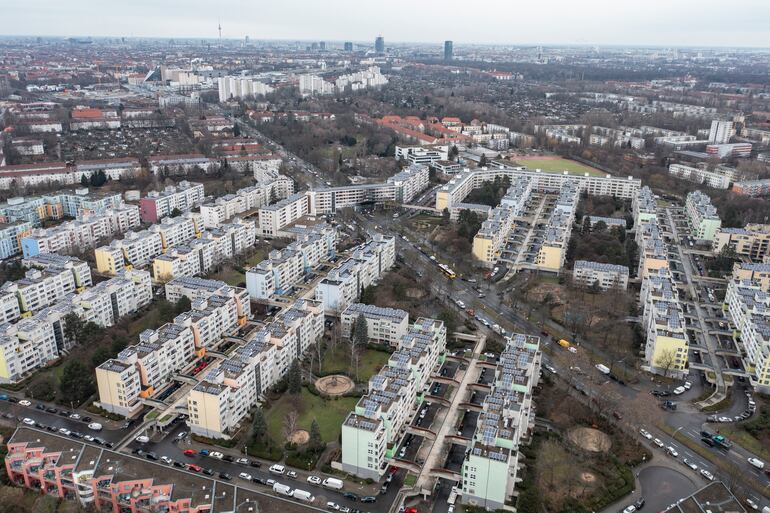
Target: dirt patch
{"x": 590, "y": 439}
{"x": 334, "y": 385}
{"x": 587, "y": 477}
{"x": 299, "y": 437}
{"x": 415, "y": 293}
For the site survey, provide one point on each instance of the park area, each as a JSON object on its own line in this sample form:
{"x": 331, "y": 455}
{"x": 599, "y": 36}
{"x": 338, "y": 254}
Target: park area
{"x": 554, "y": 164}
{"x": 336, "y": 360}
{"x": 329, "y": 413}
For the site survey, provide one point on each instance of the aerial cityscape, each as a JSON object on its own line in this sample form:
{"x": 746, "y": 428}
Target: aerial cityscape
{"x": 322, "y": 262}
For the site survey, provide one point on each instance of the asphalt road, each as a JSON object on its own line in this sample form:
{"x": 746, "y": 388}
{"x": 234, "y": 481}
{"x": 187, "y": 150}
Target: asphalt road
{"x": 663, "y": 486}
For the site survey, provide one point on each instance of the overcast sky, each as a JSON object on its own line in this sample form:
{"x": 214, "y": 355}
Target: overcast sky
{"x": 633, "y": 22}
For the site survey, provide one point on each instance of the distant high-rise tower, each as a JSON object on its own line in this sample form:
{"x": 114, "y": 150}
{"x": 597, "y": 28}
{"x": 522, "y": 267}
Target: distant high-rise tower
{"x": 220, "y": 30}
{"x": 379, "y": 44}
{"x": 348, "y": 46}
{"x": 322, "y": 45}
{"x": 448, "y": 49}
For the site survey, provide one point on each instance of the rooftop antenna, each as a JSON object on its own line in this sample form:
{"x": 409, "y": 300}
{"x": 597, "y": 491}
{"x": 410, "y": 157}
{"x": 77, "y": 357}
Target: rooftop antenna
{"x": 220, "y": 30}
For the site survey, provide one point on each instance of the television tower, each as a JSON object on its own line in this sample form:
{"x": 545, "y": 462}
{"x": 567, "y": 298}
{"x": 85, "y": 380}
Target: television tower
{"x": 219, "y": 26}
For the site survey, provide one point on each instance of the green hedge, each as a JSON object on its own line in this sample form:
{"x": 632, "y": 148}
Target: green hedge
{"x": 221, "y": 442}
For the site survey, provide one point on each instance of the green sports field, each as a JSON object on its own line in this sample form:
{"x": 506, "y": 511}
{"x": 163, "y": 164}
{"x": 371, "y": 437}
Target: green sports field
{"x": 557, "y": 165}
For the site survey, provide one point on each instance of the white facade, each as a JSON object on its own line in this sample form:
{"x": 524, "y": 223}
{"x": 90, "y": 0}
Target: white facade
{"x": 343, "y": 284}
{"x": 604, "y": 276}
{"x": 274, "y": 217}
{"x": 719, "y": 178}
{"x": 702, "y": 216}
{"x": 231, "y": 87}
{"x": 749, "y": 309}
{"x": 721, "y": 131}
{"x": 384, "y": 325}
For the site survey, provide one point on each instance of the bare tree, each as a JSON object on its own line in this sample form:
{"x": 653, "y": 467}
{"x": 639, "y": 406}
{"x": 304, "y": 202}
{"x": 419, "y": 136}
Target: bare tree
{"x": 290, "y": 424}
{"x": 665, "y": 360}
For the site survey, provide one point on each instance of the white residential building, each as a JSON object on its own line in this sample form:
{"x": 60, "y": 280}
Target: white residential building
{"x": 604, "y": 276}
{"x": 249, "y": 198}
{"x": 667, "y": 345}
{"x": 343, "y": 284}
{"x": 384, "y": 325}
{"x": 749, "y": 309}
{"x": 225, "y": 396}
{"x": 721, "y": 131}
{"x": 490, "y": 469}
{"x": 702, "y": 216}
{"x": 231, "y": 87}
{"x": 371, "y": 432}
{"x": 285, "y": 268}
{"x": 274, "y": 217}
{"x": 720, "y": 178}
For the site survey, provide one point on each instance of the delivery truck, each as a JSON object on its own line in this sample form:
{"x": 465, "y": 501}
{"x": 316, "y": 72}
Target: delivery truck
{"x": 332, "y": 483}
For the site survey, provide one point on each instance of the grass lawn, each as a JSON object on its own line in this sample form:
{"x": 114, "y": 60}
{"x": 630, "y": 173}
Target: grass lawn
{"x": 230, "y": 276}
{"x": 338, "y": 360}
{"x": 329, "y": 413}
{"x": 558, "y": 164}
{"x": 256, "y": 257}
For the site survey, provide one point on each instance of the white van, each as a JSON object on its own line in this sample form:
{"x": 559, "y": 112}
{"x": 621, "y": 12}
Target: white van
{"x": 95, "y": 426}
{"x": 283, "y": 489}
{"x": 333, "y": 483}
{"x": 304, "y": 496}
{"x": 277, "y": 469}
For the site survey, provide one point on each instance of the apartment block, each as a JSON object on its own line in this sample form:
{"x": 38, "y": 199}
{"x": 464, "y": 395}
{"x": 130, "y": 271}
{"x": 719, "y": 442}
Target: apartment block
{"x": 454, "y": 192}
{"x": 274, "y": 217}
{"x": 752, "y": 242}
{"x": 226, "y": 394}
{"x": 249, "y": 198}
{"x": 490, "y": 469}
{"x": 32, "y": 342}
{"x": 426, "y": 156}
{"x": 85, "y": 232}
{"x": 196, "y": 257}
{"x": 200, "y": 288}
{"x": 11, "y": 235}
{"x": 491, "y": 238}
{"x": 721, "y": 131}
{"x": 343, "y": 284}
{"x": 753, "y": 188}
{"x": 108, "y": 301}
{"x": 601, "y": 275}
{"x": 372, "y": 431}
{"x": 106, "y": 481}
{"x": 653, "y": 253}
{"x": 702, "y": 216}
{"x": 610, "y": 222}
{"x": 183, "y": 197}
{"x": 285, "y": 268}
{"x": 644, "y": 206}
{"x": 136, "y": 249}
{"x": 178, "y": 230}
{"x": 179, "y": 164}
{"x": 552, "y": 252}
{"x": 410, "y": 182}
{"x": 667, "y": 345}
{"x": 749, "y": 308}
{"x": 383, "y": 325}
{"x": 758, "y": 273}
{"x": 49, "y": 279}
{"x": 719, "y": 178}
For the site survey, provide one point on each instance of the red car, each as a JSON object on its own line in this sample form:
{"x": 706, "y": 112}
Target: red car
{"x": 393, "y": 470}
{"x": 189, "y": 452}
{"x": 193, "y": 467}
{"x": 410, "y": 510}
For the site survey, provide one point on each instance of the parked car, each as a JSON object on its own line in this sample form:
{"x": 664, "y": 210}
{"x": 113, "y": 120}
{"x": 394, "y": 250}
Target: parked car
{"x": 142, "y": 439}
{"x": 314, "y": 480}
{"x": 216, "y": 455}
{"x": 189, "y": 452}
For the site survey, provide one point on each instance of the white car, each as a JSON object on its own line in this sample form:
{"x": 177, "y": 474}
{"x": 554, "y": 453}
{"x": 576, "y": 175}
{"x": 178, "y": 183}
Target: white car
{"x": 690, "y": 464}
{"x": 314, "y": 480}
{"x": 679, "y": 390}
{"x": 752, "y": 504}
{"x": 28, "y": 421}
{"x": 725, "y": 419}
{"x": 687, "y": 385}
{"x": 75, "y": 416}
{"x": 142, "y": 439}
{"x": 645, "y": 434}
{"x": 277, "y": 469}
{"x": 95, "y": 426}
{"x": 88, "y": 438}
{"x": 572, "y": 349}
{"x": 670, "y": 449}
{"x": 658, "y": 442}
{"x": 754, "y": 462}
{"x": 344, "y": 509}
{"x": 166, "y": 460}
{"x": 333, "y": 506}
{"x": 242, "y": 461}
{"x": 64, "y": 431}
{"x": 245, "y": 476}
{"x": 216, "y": 455}
{"x": 630, "y": 509}
{"x": 24, "y": 402}
{"x": 291, "y": 474}
{"x": 708, "y": 475}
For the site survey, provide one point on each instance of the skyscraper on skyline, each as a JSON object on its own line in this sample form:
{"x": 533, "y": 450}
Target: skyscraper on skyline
{"x": 448, "y": 50}
{"x": 379, "y": 44}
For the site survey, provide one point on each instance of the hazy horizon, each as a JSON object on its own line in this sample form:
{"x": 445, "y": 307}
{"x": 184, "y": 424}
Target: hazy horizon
{"x": 658, "y": 23}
